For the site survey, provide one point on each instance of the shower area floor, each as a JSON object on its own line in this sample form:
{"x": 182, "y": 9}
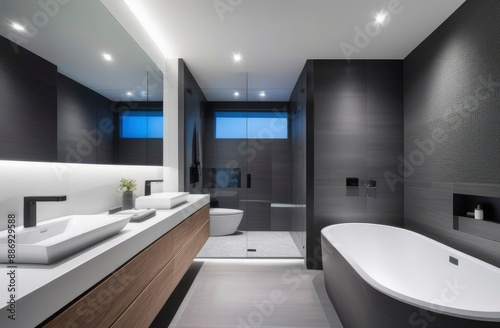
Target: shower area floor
{"x": 244, "y": 244}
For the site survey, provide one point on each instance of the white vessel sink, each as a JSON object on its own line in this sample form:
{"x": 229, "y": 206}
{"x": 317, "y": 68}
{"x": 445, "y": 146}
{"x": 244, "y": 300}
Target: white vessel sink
{"x": 55, "y": 239}
{"x": 162, "y": 200}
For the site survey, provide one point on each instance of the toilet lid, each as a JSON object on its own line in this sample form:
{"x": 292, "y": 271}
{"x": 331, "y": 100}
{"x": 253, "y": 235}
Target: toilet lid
{"x": 225, "y": 211}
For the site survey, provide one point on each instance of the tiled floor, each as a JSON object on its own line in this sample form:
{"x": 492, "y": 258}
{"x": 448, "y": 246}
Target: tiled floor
{"x": 256, "y": 293}
{"x": 266, "y": 243}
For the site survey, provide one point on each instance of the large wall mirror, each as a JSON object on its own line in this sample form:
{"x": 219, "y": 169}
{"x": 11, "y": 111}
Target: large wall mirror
{"x": 75, "y": 87}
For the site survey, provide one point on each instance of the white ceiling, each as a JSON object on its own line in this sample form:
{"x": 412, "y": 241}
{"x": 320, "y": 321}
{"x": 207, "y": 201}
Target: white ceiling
{"x": 276, "y": 37}
{"x": 74, "y": 36}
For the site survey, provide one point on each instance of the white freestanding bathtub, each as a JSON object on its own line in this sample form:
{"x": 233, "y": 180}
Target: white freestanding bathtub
{"x": 382, "y": 276}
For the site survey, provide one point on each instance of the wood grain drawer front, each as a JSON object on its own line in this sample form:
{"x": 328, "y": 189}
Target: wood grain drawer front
{"x": 144, "y": 310}
{"x": 102, "y": 305}
{"x": 186, "y": 255}
{"x": 189, "y": 227}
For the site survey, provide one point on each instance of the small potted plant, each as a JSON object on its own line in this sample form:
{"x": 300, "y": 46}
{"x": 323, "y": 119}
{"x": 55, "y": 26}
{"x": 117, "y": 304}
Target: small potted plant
{"x": 127, "y": 186}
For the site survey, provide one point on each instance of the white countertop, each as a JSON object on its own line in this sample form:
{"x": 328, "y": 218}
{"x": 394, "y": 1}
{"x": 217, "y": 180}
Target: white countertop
{"x": 44, "y": 289}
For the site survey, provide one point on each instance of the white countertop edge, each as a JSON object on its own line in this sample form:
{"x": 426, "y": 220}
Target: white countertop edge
{"x": 44, "y": 289}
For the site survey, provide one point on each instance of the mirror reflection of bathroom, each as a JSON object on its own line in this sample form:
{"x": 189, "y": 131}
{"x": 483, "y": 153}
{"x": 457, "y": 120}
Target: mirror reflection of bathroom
{"x": 248, "y": 155}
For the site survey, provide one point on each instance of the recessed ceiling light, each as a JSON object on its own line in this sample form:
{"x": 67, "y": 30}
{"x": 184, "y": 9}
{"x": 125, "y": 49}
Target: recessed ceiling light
{"x": 262, "y": 94}
{"x": 18, "y": 27}
{"x": 107, "y": 56}
{"x": 129, "y": 93}
{"x": 381, "y": 17}
{"x": 236, "y": 93}
{"x": 237, "y": 57}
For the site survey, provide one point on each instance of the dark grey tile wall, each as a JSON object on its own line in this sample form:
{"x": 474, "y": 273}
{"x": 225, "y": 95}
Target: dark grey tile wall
{"x": 80, "y": 137}
{"x": 132, "y": 151}
{"x": 452, "y": 124}
{"x": 193, "y": 103}
{"x": 358, "y": 132}
{"x": 106, "y": 146}
{"x": 140, "y": 151}
{"x": 28, "y": 106}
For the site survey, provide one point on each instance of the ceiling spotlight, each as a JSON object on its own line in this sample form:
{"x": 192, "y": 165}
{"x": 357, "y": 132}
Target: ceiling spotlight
{"x": 18, "y": 27}
{"x": 262, "y": 94}
{"x": 129, "y": 93}
{"x": 236, "y": 93}
{"x": 237, "y": 57}
{"x": 107, "y": 56}
{"x": 381, "y": 17}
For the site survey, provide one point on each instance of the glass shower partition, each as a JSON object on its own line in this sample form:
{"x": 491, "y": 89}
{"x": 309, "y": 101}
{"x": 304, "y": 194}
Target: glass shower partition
{"x": 247, "y": 165}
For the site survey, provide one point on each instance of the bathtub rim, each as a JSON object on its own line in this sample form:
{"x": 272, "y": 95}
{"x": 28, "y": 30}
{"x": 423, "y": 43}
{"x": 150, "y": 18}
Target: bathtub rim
{"x": 446, "y": 310}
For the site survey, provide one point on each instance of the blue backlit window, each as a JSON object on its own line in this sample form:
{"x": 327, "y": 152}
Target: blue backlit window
{"x": 141, "y": 124}
{"x": 251, "y": 125}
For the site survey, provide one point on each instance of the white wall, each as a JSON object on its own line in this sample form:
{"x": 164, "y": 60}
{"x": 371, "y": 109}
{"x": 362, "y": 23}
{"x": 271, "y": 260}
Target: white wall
{"x": 90, "y": 188}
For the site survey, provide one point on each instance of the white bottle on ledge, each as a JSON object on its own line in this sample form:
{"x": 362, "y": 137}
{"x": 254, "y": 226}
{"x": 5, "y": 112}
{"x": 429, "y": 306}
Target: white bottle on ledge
{"x": 478, "y": 213}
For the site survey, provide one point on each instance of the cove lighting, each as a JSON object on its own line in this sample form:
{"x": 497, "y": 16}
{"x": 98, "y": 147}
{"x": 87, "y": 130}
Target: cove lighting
{"x": 147, "y": 19}
{"x": 18, "y": 27}
{"x": 251, "y": 261}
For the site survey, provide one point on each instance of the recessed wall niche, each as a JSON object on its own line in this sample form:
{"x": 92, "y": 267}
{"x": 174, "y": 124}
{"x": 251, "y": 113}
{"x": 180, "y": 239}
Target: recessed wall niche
{"x": 463, "y": 216}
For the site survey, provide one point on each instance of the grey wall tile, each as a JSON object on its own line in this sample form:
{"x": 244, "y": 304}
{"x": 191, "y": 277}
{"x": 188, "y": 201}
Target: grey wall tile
{"x": 451, "y": 86}
{"x": 358, "y": 132}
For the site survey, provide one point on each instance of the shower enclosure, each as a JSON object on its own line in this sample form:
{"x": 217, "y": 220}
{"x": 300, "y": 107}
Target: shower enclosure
{"x": 247, "y": 165}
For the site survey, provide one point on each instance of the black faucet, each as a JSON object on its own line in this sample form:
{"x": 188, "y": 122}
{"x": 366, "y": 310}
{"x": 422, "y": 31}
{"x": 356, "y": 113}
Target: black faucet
{"x": 147, "y": 187}
{"x": 30, "y": 207}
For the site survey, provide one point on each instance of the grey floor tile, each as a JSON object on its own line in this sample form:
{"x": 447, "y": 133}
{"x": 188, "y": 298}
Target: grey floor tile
{"x": 256, "y": 293}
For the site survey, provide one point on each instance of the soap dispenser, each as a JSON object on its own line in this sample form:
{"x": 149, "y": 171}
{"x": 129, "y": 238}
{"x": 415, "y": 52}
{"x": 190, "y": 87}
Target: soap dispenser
{"x": 478, "y": 213}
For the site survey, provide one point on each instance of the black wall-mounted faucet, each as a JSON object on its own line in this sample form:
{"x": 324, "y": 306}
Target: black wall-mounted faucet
{"x": 30, "y": 207}
{"x": 147, "y": 187}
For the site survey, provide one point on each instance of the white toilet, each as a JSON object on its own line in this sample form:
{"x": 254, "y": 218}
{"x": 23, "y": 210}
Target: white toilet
{"x": 224, "y": 221}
